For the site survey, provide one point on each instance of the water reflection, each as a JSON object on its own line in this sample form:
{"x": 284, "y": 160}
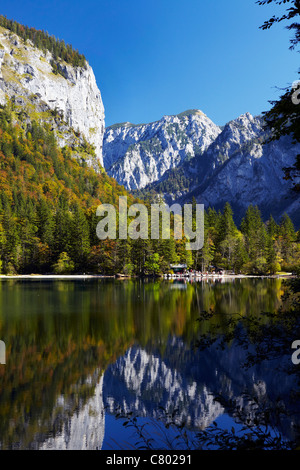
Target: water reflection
{"x": 77, "y": 350}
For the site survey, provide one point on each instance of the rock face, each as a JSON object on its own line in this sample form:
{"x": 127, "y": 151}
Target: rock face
{"x": 235, "y": 164}
{"x": 143, "y": 382}
{"x": 26, "y": 74}
{"x": 138, "y": 155}
{"x": 83, "y": 430}
{"x": 189, "y": 381}
{"x": 247, "y": 169}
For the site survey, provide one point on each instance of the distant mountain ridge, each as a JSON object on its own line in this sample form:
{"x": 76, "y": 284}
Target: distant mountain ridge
{"x": 136, "y": 155}
{"x": 235, "y": 164}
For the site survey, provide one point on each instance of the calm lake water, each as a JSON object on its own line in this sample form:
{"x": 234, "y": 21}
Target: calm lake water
{"x": 77, "y": 351}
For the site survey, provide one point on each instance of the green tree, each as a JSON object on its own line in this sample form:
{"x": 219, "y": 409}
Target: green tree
{"x": 152, "y": 265}
{"x": 287, "y": 240}
{"x": 227, "y": 237}
{"x": 239, "y": 254}
{"x": 79, "y": 236}
{"x": 272, "y": 253}
{"x": 64, "y": 265}
{"x": 254, "y": 232}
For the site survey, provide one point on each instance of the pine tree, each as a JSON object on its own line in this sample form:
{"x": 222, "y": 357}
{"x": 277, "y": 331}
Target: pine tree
{"x": 227, "y": 237}
{"x": 272, "y": 255}
{"x": 287, "y": 236}
{"x": 79, "y": 236}
{"x": 255, "y": 235}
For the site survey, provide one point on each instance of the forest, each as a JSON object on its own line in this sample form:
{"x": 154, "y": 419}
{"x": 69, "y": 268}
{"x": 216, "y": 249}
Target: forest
{"x": 43, "y": 41}
{"x": 48, "y": 202}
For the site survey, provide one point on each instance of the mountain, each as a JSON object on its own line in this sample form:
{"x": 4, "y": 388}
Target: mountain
{"x": 48, "y": 198}
{"x": 136, "y": 155}
{"x": 51, "y": 174}
{"x": 235, "y": 164}
{"x": 188, "y": 383}
{"x": 49, "y": 86}
{"x": 82, "y": 430}
{"x": 248, "y": 169}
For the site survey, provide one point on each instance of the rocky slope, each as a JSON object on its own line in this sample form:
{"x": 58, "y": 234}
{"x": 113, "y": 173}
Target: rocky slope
{"x": 139, "y": 155}
{"x": 71, "y": 97}
{"x": 142, "y": 381}
{"x": 239, "y": 165}
{"x": 245, "y": 168}
{"x": 252, "y": 174}
{"x": 83, "y": 430}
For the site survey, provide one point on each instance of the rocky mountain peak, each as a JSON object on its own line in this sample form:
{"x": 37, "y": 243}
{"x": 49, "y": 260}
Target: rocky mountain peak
{"x": 186, "y": 155}
{"x": 137, "y": 155}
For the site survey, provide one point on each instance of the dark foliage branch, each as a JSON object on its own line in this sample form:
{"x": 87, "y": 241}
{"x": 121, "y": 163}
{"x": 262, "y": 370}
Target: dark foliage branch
{"x": 291, "y": 13}
{"x": 284, "y": 116}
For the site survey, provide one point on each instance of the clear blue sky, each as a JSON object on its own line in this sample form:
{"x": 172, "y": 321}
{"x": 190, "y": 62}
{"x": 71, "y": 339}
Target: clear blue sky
{"x": 159, "y": 57}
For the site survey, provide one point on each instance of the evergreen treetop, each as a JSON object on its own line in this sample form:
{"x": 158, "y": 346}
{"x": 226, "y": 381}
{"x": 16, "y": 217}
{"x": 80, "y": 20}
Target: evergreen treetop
{"x": 43, "y": 41}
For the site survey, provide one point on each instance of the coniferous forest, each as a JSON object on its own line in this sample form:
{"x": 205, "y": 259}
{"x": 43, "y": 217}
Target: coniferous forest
{"x": 48, "y": 219}
{"x": 43, "y": 41}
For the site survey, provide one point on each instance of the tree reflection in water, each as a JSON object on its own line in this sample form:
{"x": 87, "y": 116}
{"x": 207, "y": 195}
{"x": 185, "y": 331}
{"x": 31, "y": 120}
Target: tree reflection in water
{"x": 265, "y": 421}
{"x": 64, "y": 339}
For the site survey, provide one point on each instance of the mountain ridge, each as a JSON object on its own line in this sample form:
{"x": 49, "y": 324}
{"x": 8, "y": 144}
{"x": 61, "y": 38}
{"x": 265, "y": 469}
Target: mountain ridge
{"x": 239, "y": 155}
{"x": 140, "y": 154}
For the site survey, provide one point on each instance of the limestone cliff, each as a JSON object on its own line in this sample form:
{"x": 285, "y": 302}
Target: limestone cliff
{"x": 136, "y": 155}
{"x": 72, "y": 96}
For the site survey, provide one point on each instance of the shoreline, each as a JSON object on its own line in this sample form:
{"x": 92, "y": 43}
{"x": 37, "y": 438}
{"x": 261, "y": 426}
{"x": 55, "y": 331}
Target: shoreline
{"x": 100, "y": 276}
{"x": 55, "y": 276}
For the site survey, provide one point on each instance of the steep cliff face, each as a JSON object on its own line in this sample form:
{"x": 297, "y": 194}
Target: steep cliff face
{"x": 27, "y": 76}
{"x": 84, "y": 429}
{"x": 138, "y": 155}
{"x": 234, "y": 137}
{"x": 143, "y": 383}
{"x": 247, "y": 169}
{"x": 189, "y": 381}
{"x": 235, "y": 164}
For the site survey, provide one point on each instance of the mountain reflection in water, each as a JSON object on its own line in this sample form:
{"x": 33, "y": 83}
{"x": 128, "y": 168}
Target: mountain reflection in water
{"x": 78, "y": 350}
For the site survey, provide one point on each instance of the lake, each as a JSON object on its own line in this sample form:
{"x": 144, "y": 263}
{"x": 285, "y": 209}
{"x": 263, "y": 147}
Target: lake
{"x": 80, "y": 351}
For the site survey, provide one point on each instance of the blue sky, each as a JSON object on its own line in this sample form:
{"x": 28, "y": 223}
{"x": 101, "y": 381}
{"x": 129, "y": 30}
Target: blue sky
{"x": 166, "y": 56}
